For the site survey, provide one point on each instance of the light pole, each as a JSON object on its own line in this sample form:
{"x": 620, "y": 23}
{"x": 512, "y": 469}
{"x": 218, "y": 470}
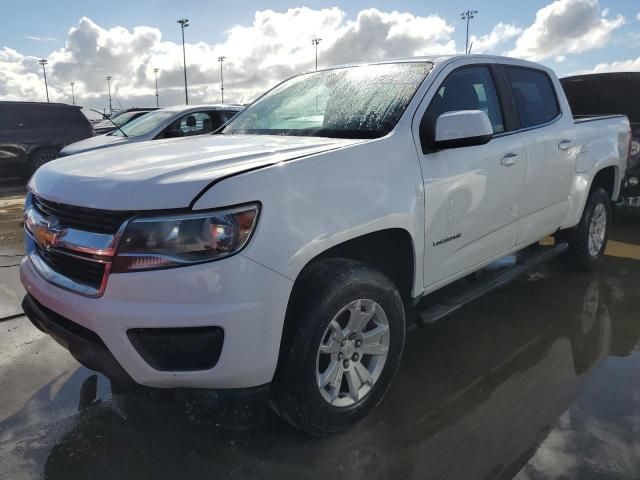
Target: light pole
{"x": 109, "y": 85}
{"x": 315, "y": 42}
{"x": 43, "y": 62}
{"x": 184, "y": 22}
{"x": 221, "y": 60}
{"x": 155, "y": 71}
{"x": 468, "y": 15}
{"x": 73, "y": 95}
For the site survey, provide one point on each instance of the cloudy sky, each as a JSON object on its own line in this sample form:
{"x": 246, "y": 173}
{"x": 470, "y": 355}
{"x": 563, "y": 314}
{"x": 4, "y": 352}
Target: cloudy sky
{"x": 86, "y": 41}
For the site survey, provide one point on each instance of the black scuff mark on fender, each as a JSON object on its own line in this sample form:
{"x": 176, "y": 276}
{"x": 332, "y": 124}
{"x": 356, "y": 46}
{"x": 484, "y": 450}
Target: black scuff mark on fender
{"x": 211, "y": 184}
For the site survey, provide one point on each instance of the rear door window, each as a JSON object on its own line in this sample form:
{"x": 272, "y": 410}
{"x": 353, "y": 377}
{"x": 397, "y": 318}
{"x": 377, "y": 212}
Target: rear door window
{"x": 72, "y": 116}
{"x": 534, "y": 96}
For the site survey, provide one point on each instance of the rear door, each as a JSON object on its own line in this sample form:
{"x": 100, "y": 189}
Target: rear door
{"x": 551, "y": 150}
{"x": 471, "y": 193}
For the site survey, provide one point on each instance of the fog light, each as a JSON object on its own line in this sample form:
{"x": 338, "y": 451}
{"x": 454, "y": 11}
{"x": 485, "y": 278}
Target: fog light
{"x": 633, "y": 181}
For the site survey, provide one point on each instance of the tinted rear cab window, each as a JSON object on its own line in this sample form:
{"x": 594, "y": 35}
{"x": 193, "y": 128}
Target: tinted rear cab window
{"x": 534, "y": 96}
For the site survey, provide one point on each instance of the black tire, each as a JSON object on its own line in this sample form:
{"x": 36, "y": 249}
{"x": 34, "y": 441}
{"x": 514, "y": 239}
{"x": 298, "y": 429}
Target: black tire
{"x": 41, "y": 156}
{"x": 327, "y": 287}
{"x": 580, "y": 255}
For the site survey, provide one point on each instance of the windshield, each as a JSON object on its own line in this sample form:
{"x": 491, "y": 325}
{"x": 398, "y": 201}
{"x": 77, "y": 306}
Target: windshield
{"x": 143, "y": 124}
{"x": 125, "y": 117}
{"x": 352, "y": 102}
{"x": 119, "y": 119}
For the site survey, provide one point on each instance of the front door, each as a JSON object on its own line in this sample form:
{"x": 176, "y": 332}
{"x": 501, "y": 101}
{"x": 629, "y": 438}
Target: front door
{"x": 471, "y": 193}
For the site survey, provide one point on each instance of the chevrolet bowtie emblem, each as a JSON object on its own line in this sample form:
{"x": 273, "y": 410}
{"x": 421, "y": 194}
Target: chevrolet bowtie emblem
{"x": 43, "y": 231}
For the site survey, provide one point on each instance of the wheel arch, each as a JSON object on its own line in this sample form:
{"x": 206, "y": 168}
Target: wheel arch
{"x": 372, "y": 249}
{"x": 609, "y": 179}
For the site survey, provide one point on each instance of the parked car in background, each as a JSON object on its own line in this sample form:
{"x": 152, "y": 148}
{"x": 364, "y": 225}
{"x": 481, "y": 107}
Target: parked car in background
{"x": 32, "y": 133}
{"x": 286, "y": 254}
{"x": 120, "y": 118}
{"x": 171, "y": 122}
{"x": 611, "y": 93}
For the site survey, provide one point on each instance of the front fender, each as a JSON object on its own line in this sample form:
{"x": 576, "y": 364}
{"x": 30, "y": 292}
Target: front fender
{"x": 312, "y": 204}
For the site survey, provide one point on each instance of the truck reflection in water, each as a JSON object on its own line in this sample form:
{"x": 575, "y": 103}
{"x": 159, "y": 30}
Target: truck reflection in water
{"x": 476, "y": 395}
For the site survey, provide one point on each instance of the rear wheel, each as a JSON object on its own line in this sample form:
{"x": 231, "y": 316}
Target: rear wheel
{"x": 40, "y": 157}
{"x": 339, "y": 358}
{"x": 588, "y": 241}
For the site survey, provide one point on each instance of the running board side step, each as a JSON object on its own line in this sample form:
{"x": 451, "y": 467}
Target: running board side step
{"x": 444, "y": 302}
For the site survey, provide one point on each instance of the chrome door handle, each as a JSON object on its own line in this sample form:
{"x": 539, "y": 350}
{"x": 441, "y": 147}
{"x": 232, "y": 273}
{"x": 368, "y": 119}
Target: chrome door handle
{"x": 509, "y": 160}
{"x": 566, "y": 144}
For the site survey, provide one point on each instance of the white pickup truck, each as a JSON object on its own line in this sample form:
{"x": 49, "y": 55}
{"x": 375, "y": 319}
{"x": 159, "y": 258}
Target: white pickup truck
{"x": 287, "y": 252}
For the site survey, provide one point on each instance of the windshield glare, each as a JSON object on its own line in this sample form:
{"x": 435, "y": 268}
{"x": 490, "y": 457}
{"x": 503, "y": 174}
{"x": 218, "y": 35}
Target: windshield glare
{"x": 143, "y": 124}
{"x": 351, "y": 102}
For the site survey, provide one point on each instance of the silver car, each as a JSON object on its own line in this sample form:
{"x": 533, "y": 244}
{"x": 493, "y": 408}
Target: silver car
{"x": 171, "y": 122}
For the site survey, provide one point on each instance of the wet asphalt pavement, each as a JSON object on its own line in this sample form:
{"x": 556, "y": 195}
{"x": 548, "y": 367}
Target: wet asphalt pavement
{"x": 539, "y": 380}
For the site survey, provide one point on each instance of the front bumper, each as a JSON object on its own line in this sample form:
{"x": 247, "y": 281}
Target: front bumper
{"x": 245, "y": 299}
{"x": 85, "y": 346}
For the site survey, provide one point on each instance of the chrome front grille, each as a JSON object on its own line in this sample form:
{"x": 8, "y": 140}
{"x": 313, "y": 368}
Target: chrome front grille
{"x": 76, "y": 268}
{"x": 85, "y": 219}
{"x": 70, "y": 247}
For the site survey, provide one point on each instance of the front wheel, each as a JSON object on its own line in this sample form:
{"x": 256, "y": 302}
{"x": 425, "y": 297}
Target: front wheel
{"x": 588, "y": 241}
{"x": 339, "y": 358}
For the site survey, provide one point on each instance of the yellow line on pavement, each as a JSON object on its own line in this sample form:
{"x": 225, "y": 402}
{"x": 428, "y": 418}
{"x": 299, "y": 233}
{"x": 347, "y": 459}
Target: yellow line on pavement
{"x": 623, "y": 250}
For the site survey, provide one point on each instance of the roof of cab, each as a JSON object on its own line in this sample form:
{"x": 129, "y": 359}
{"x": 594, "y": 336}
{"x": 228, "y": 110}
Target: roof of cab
{"x": 216, "y": 106}
{"x": 439, "y": 59}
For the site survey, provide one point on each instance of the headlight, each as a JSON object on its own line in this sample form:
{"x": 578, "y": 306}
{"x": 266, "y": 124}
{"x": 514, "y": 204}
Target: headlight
{"x": 635, "y": 148}
{"x": 179, "y": 240}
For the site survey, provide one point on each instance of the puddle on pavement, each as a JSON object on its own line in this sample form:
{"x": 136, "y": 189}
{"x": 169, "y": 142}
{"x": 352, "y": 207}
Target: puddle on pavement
{"x": 538, "y": 380}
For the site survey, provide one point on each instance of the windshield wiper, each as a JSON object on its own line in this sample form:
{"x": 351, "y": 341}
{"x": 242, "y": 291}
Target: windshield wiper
{"x": 114, "y": 123}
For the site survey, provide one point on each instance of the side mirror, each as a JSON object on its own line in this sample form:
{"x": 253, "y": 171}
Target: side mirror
{"x": 463, "y": 128}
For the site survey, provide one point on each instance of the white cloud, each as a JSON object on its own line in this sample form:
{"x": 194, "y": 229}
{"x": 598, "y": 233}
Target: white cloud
{"x": 631, "y": 65}
{"x": 638, "y": 16}
{"x": 19, "y": 76}
{"x": 500, "y": 33}
{"x": 566, "y": 26}
{"x": 274, "y": 46}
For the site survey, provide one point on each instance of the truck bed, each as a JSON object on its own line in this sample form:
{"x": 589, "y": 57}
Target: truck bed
{"x": 592, "y": 118}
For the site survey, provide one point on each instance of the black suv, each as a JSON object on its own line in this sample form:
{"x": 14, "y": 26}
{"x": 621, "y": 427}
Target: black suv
{"x": 610, "y": 93}
{"x": 33, "y": 133}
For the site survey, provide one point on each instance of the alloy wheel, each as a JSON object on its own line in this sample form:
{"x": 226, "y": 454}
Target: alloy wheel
{"x": 352, "y": 353}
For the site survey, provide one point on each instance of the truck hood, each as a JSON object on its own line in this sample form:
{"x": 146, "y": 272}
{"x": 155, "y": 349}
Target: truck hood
{"x": 93, "y": 143}
{"x": 164, "y": 174}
